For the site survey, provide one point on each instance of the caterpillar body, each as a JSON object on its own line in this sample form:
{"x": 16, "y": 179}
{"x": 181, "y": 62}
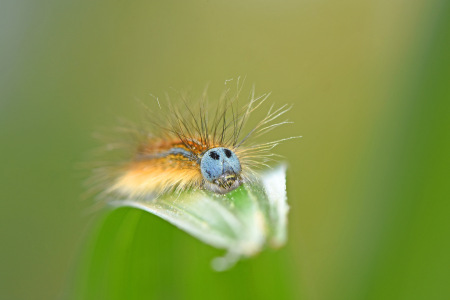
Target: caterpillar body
{"x": 191, "y": 146}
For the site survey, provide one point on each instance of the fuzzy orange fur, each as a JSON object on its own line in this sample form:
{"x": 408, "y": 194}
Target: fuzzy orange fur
{"x": 154, "y": 170}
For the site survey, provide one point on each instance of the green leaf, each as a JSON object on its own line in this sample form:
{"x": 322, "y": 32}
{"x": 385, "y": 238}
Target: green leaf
{"x": 242, "y": 222}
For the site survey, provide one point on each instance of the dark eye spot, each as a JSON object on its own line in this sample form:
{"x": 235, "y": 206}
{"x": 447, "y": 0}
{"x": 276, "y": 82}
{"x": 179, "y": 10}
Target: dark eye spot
{"x": 214, "y": 155}
{"x": 227, "y": 153}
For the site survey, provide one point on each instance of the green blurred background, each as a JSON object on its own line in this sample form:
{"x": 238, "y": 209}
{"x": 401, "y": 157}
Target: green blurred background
{"x": 368, "y": 184}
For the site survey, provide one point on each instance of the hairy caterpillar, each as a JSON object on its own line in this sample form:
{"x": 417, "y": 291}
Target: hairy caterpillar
{"x": 194, "y": 146}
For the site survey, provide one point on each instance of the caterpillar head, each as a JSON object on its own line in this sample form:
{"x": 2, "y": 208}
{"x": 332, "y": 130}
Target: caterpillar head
{"x": 221, "y": 170}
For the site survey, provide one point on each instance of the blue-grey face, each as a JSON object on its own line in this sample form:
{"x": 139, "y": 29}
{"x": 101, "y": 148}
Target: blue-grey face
{"x": 221, "y": 169}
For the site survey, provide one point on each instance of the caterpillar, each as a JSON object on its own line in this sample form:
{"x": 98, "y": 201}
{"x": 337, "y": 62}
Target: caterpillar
{"x": 194, "y": 146}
